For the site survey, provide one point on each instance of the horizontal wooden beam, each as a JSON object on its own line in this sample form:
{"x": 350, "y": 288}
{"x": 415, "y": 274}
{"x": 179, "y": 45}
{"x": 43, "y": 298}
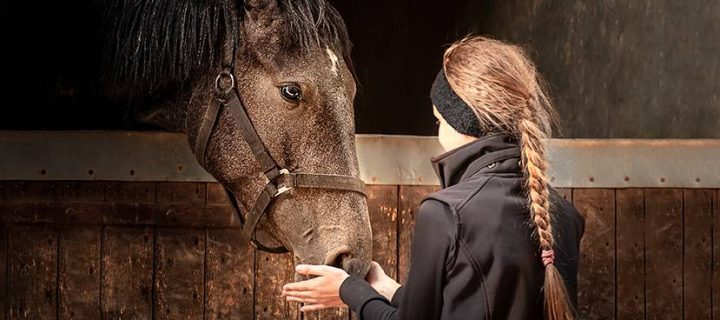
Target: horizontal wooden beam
{"x": 384, "y": 160}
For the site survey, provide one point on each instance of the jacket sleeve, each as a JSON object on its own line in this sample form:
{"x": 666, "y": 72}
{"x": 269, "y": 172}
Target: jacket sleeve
{"x": 421, "y": 298}
{"x": 433, "y": 242}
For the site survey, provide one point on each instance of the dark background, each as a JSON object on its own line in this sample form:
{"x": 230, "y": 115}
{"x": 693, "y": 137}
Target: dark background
{"x": 616, "y": 69}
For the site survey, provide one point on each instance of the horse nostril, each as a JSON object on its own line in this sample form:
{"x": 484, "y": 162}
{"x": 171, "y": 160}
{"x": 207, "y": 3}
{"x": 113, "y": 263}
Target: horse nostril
{"x": 337, "y": 261}
{"x": 337, "y": 257}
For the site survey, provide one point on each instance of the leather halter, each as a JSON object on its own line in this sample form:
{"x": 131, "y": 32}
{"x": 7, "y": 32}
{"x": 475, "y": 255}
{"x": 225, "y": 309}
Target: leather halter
{"x": 280, "y": 180}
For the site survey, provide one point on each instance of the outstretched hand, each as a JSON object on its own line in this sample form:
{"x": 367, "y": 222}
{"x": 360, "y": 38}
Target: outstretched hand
{"x": 317, "y": 293}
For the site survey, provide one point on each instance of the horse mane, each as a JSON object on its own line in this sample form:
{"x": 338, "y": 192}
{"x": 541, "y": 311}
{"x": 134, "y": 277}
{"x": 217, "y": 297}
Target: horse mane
{"x": 154, "y": 44}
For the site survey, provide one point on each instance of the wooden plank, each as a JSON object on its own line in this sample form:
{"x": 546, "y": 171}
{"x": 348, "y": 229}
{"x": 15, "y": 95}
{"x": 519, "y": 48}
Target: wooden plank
{"x": 32, "y": 272}
{"x": 229, "y": 276}
{"x": 127, "y": 266}
{"x": 272, "y": 271}
{"x": 4, "y": 190}
{"x": 130, "y": 214}
{"x": 663, "y": 253}
{"x": 630, "y": 215}
{"x": 382, "y": 205}
{"x": 716, "y": 257}
{"x": 328, "y": 314}
{"x": 181, "y": 192}
{"x": 596, "y": 274}
{"x": 180, "y": 274}
{"x": 53, "y": 212}
{"x": 81, "y": 191}
{"x": 697, "y": 258}
{"x": 187, "y": 215}
{"x": 3, "y": 271}
{"x": 79, "y": 276}
{"x": 216, "y": 195}
{"x": 32, "y": 191}
{"x": 410, "y": 198}
{"x": 130, "y": 192}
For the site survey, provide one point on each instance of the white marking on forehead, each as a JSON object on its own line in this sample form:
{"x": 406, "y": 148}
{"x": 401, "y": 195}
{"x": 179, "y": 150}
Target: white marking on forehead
{"x": 333, "y": 61}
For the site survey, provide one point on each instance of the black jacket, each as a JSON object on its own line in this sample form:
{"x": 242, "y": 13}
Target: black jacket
{"x": 475, "y": 254}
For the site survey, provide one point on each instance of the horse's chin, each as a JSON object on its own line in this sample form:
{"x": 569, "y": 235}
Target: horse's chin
{"x": 356, "y": 267}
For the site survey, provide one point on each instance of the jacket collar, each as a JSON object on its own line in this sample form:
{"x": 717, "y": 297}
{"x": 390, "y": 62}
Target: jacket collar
{"x": 484, "y": 153}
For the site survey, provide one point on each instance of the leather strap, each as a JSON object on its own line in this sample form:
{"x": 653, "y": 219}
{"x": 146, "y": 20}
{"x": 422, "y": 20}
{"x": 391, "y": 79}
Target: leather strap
{"x": 287, "y": 182}
{"x": 266, "y": 161}
{"x": 207, "y": 126}
{"x": 322, "y": 181}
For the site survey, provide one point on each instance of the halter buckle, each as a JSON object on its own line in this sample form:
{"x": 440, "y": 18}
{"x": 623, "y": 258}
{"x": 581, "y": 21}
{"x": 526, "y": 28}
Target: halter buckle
{"x": 222, "y": 87}
{"x": 282, "y": 189}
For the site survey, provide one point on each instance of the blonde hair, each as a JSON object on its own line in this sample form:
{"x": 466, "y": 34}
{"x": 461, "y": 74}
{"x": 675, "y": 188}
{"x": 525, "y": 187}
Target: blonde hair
{"x": 502, "y": 87}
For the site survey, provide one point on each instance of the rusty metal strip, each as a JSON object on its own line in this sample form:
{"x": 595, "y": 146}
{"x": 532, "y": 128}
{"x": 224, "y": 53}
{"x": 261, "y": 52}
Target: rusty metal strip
{"x": 390, "y": 160}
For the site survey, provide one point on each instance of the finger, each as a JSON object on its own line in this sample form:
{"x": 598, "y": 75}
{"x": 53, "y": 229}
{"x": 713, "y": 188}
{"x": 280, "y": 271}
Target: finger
{"x": 291, "y": 298}
{"x": 303, "y": 294}
{"x": 300, "y": 299}
{"x": 315, "y": 270}
{"x": 303, "y": 285}
{"x": 313, "y": 307}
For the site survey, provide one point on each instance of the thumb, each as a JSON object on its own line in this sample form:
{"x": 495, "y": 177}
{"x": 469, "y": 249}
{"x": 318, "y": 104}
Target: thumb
{"x": 315, "y": 270}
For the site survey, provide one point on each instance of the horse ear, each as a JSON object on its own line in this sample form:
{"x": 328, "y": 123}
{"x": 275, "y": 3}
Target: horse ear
{"x": 262, "y": 24}
{"x": 261, "y": 12}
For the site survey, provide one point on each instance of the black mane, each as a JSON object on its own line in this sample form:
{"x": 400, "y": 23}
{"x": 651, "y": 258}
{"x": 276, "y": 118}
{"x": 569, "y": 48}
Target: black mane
{"x": 153, "y": 44}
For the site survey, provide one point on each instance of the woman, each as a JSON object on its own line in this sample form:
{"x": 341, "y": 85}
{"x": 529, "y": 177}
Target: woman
{"x": 495, "y": 242}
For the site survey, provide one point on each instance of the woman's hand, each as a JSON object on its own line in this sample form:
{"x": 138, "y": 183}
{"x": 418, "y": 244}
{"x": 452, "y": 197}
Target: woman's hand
{"x": 317, "y": 293}
{"x": 381, "y": 282}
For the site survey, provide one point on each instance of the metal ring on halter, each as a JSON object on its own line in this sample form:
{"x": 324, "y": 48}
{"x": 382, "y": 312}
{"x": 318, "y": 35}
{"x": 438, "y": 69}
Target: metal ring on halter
{"x": 282, "y": 189}
{"x": 219, "y": 81}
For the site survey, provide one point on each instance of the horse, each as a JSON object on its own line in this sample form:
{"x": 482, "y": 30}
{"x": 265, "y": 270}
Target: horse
{"x": 264, "y": 90}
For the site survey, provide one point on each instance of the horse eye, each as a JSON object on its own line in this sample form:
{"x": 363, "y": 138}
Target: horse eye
{"x": 291, "y": 92}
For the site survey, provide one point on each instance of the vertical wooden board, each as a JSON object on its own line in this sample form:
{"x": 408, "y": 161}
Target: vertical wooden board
{"x": 272, "y": 271}
{"x": 328, "y": 314}
{"x": 229, "y": 279}
{"x": 382, "y": 206}
{"x": 3, "y": 271}
{"x": 697, "y": 260}
{"x": 663, "y": 253}
{"x": 127, "y": 270}
{"x": 410, "y": 199}
{"x": 716, "y": 257}
{"x": 4, "y": 190}
{"x": 181, "y": 192}
{"x": 32, "y": 273}
{"x": 130, "y": 192}
{"x": 630, "y": 253}
{"x": 79, "y": 277}
{"x": 179, "y": 274}
{"x": 596, "y": 274}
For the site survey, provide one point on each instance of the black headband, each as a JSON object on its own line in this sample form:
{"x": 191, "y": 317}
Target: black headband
{"x": 452, "y": 108}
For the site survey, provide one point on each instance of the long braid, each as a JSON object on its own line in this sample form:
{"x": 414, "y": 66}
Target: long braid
{"x": 557, "y": 302}
{"x": 502, "y": 86}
